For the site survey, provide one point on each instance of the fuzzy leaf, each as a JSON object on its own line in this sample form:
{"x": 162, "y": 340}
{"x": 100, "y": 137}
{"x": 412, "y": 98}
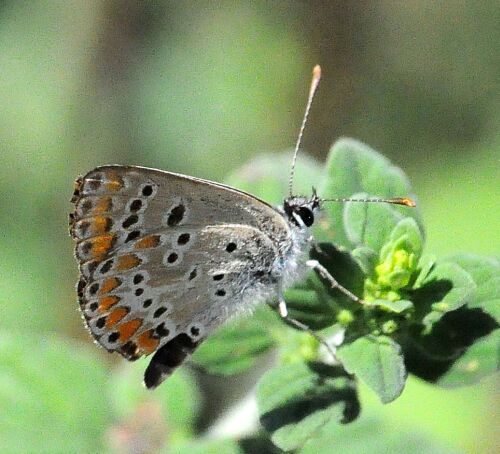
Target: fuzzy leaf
{"x": 206, "y": 446}
{"x": 235, "y": 347}
{"x": 49, "y": 390}
{"x": 485, "y": 271}
{"x": 353, "y": 167}
{"x": 369, "y": 225}
{"x": 371, "y": 436}
{"x": 366, "y": 258}
{"x": 314, "y": 302}
{"x": 266, "y": 176}
{"x": 408, "y": 229}
{"x": 425, "y": 265}
{"x": 378, "y": 361}
{"x": 480, "y": 360}
{"x": 397, "y": 307}
{"x": 296, "y": 400}
{"x": 447, "y": 287}
{"x": 464, "y": 344}
{"x": 311, "y": 304}
{"x": 251, "y": 445}
{"x": 173, "y": 406}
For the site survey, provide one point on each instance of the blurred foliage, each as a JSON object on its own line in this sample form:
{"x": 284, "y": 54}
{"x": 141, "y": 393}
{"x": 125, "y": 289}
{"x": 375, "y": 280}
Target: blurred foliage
{"x": 198, "y": 88}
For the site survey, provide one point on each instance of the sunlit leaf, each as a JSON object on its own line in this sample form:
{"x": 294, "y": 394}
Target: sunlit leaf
{"x": 49, "y": 390}
{"x": 354, "y": 168}
{"x": 378, "y": 361}
{"x": 296, "y": 400}
{"x": 235, "y": 347}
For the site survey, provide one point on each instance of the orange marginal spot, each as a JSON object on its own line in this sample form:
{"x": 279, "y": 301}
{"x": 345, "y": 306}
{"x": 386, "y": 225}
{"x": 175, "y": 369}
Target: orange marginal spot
{"x": 107, "y": 302}
{"x": 148, "y": 242}
{"x": 127, "y": 329}
{"x": 114, "y": 182}
{"x": 147, "y": 343}
{"x": 101, "y": 224}
{"x": 126, "y": 262}
{"x": 102, "y": 205}
{"x": 116, "y": 316}
{"x": 102, "y": 244}
{"x": 108, "y": 285}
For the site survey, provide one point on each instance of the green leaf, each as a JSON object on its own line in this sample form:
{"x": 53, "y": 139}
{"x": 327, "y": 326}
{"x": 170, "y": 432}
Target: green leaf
{"x": 366, "y": 258}
{"x": 251, "y": 445}
{"x": 235, "y": 347}
{"x": 171, "y": 409}
{"x": 343, "y": 267}
{"x": 464, "y": 344}
{"x": 51, "y": 396}
{"x": 353, "y": 167}
{"x": 368, "y": 224}
{"x": 266, "y": 176}
{"x": 296, "y": 400}
{"x": 311, "y": 304}
{"x": 378, "y": 361}
{"x": 485, "y": 271}
{"x": 370, "y": 436}
{"x": 201, "y": 446}
{"x": 397, "y": 307}
{"x": 479, "y": 360}
{"x": 425, "y": 265}
{"x": 314, "y": 302}
{"x": 408, "y": 236}
{"x": 446, "y": 288}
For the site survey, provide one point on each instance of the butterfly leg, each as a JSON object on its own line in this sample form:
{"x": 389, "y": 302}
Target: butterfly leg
{"x": 315, "y": 245}
{"x": 323, "y": 272}
{"x": 283, "y": 311}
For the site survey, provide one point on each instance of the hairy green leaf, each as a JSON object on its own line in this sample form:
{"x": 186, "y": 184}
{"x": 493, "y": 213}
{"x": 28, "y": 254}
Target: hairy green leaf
{"x": 370, "y": 436}
{"x": 172, "y": 408}
{"x": 368, "y": 224}
{"x": 266, "y": 176}
{"x": 366, "y": 258}
{"x": 485, "y": 271}
{"x": 204, "y": 446}
{"x": 353, "y": 167}
{"x": 49, "y": 390}
{"x": 397, "y": 307}
{"x": 378, "y": 361}
{"x": 235, "y": 347}
{"x": 464, "y": 344}
{"x": 447, "y": 287}
{"x": 296, "y": 400}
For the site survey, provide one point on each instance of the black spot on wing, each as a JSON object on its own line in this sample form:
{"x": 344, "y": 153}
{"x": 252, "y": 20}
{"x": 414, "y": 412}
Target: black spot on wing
{"x": 176, "y": 215}
{"x": 168, "y": 358}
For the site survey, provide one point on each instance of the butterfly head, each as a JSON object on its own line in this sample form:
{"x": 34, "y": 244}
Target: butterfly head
{"x": 300, "y": 211}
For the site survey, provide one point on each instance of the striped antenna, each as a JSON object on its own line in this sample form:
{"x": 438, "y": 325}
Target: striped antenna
{"x": 314, "y": 85}
{"x": 395, "y": 201}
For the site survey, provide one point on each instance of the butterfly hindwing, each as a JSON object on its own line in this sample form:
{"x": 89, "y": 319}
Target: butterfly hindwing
{"x": 165, "y": 258}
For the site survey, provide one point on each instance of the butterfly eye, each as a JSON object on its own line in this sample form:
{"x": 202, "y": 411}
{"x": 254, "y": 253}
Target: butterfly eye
{"x": 306, "y": 215}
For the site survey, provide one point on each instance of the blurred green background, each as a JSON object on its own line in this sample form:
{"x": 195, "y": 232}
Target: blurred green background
{"x": 200, "y": 88}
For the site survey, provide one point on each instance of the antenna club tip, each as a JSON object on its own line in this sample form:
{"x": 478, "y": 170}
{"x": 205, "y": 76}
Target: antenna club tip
{"x": 317, "y": 72}
{"x": 406, "y": 201}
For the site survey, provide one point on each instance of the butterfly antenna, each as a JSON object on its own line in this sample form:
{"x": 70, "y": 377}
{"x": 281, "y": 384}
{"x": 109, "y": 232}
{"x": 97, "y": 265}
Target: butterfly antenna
{"x": 406, "y": 201}
{"x": 314, "y": 85}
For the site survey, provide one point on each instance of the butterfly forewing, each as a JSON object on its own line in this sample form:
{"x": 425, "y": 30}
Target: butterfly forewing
{"x": 164, "y": 259}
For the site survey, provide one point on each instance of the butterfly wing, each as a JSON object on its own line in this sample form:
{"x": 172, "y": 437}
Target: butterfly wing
{"x": 165, "y": 258}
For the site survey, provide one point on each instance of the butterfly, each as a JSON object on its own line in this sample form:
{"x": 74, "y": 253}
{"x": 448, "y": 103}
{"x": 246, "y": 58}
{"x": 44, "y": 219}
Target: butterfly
{"x": 165, "y": 259}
